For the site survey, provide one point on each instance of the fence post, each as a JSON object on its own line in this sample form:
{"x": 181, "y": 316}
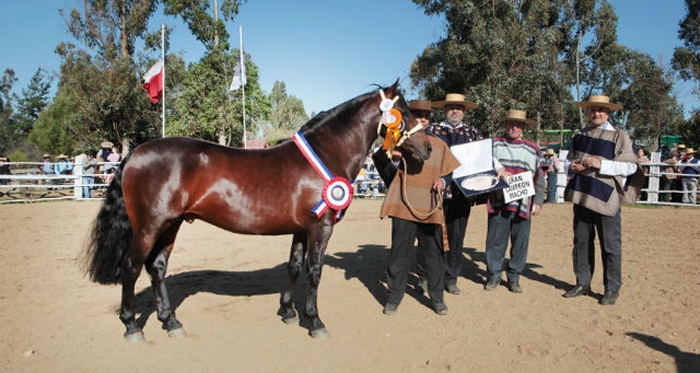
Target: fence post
{"x": 562, "y": 175}
{"x": 78, "y": 171}
{"x": 654, "y": 179}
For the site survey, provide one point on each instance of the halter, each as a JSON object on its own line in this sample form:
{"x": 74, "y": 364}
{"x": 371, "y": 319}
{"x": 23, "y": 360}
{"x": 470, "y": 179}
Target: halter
{"x": 392, "y": 119}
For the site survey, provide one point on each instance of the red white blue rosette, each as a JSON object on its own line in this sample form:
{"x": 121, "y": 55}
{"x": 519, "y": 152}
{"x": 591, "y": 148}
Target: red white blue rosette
{"x": 337, "y": 193}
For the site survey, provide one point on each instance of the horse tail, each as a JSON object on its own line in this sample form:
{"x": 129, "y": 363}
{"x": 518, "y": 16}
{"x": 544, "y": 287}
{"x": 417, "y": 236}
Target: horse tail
{"x": 110, "y": 236}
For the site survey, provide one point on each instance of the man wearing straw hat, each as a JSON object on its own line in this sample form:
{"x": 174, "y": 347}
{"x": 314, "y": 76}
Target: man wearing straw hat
{"x": 511, "y": 220}
{"x": 602, "y": 161}
{"x": 412, "y": 202}
{"x": 689, "y": 181}
{"x": 456, "y": 207}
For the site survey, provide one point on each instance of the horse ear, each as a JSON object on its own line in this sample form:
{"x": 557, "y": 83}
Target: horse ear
{"x": 394, "y": 87}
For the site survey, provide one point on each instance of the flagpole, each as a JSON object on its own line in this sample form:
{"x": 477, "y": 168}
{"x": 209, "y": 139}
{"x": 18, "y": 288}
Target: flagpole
{"x": 162, "y": 56}
{"x": 240, "y": 58}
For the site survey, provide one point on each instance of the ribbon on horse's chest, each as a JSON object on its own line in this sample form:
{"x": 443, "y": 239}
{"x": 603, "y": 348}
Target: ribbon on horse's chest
{"x": 337, "y": 192}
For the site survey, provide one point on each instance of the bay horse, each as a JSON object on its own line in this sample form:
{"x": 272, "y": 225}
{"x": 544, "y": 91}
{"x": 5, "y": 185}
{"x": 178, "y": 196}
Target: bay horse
{"x": 272, "y": 191}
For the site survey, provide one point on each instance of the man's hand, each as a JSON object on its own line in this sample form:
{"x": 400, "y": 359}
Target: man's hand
{"x": 589, "y": 162}
{"x": 439, "y": 185}
{"x": 536, "y": 209}
{"x": 592, "y": 162}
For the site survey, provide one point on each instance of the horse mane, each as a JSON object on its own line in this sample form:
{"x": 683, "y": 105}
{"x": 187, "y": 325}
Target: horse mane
{"x": 333, "y": 113}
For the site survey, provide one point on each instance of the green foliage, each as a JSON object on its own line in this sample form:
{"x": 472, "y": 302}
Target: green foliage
{"x": 532, "y": 55}
{"x": 205, "y": 107}
{"x": 686, "y": 59}
{"x": 6, "y": 113}
{"x": 501, "y": 54}
{"x": 202, "y": 20}
{"x": 53, "y": 131}
{"x": 288, "y": 114}
{"x": 33, "y": 100}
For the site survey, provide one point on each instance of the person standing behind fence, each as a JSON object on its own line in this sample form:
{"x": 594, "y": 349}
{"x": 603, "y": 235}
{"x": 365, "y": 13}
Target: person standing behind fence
{"x": 46, "y": 165}
{"x": 689, "y": 167}
{"x": 5, "y": 169}
{"x": 602, "y": 161}
{"x": 89, "y": 168}
{"x": 63, "y": 167}
{"x": 553, "y": 169}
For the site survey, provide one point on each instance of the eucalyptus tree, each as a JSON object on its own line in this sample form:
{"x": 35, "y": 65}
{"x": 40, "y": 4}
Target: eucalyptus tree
{"x": 650, "y": 109}
{"x": 7, "y": 133}
{"x": 100, "y": 74}
{"x": 686, "y": 59}
{"x": 35, "y": 97}
{"x": 206, "y": 108}
{"x": 501, "y": 54}
{"x": 287, "y": 114}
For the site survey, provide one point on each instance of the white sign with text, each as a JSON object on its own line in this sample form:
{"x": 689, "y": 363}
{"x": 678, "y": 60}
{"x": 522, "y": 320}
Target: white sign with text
{"x": 519, "y": 187}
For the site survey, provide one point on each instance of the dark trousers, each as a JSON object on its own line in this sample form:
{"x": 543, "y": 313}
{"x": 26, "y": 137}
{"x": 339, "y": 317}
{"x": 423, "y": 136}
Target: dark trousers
{"x": 403, "y": 256}
{"x": 609, "y": 229}
{"x": 502, "y": 227}
{"x": 456, "y": 212}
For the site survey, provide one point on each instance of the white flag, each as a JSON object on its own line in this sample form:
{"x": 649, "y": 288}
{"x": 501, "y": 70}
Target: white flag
{"x": 239, "y": 79}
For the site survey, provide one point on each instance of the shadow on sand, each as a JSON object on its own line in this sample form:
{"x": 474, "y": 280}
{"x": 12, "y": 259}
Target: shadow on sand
{"x": 686, "y": 362}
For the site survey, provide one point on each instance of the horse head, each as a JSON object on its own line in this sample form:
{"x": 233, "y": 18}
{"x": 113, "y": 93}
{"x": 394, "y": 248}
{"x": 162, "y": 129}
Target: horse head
{"x": 399, "y": 128}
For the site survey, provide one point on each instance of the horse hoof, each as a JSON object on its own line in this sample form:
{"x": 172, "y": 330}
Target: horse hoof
{"x": 136, "y": 337}
{"x": 177, "y": 333}
{"x": 291, "y": 320}
{"x": 320, "y": 334}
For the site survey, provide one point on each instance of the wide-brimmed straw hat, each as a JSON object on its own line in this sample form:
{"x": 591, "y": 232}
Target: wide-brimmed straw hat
{"x": 61, "y": 156}
{"x": 550, "y": 151}
{"x": 420, "y": 105}
{"x": 517, "y": 116}
{"x": 456, "y": 99}
{"x": 46, "y": 155}
{"x": 690, "y": 150}
{"x": 681, "y": 146}
{"x": 598, "y": 100}
{"x": 106, "y": 144}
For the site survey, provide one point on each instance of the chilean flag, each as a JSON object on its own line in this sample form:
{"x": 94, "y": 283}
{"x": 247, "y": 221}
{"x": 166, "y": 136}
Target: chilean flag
{"x": 153, "y": 81}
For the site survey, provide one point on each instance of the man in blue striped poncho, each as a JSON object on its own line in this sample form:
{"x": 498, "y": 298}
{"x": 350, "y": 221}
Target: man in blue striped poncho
{"x": 512, "y": 155}
{"x": 602, "y": 161}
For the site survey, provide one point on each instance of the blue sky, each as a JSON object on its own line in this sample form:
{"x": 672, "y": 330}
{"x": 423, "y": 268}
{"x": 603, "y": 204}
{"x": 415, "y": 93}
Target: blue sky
{"x": 325, "y": 51}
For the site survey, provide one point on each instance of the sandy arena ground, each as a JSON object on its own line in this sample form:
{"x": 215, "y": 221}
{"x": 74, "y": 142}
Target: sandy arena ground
{"x": 225, "y": 288}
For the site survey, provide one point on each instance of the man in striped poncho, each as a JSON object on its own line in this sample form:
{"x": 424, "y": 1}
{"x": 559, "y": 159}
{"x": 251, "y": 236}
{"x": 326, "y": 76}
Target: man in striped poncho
{"x": 602, "y": 161}
{"x": 512, "y": 155}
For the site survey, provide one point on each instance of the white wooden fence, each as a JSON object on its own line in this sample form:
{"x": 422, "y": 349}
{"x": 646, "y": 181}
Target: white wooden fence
{"x": 30, "y": 185}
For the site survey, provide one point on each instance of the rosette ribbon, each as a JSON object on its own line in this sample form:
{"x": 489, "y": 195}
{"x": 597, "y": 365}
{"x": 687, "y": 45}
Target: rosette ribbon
{"x": 337, "y": 192}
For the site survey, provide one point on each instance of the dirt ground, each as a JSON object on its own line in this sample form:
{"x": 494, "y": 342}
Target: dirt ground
{"x": 225, "y": 288}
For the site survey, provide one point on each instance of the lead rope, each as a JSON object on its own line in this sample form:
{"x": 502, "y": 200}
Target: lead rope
{"x": 423, "y": 215}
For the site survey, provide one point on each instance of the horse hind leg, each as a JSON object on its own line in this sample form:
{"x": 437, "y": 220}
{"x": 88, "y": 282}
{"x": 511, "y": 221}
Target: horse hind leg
{"x": 130, "y": 273}
{"x": 294, "y": 267}
{"x": 157, "y": 266}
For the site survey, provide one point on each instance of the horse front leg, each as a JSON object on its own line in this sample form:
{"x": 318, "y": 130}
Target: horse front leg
{"x": 294, "y": 266}
{"x": 130, "y": 273}
{"x": 318, "y": 240}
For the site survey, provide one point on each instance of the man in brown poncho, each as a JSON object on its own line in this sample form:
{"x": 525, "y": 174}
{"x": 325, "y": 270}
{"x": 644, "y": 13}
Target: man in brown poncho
{"x": 413, "y": 201}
